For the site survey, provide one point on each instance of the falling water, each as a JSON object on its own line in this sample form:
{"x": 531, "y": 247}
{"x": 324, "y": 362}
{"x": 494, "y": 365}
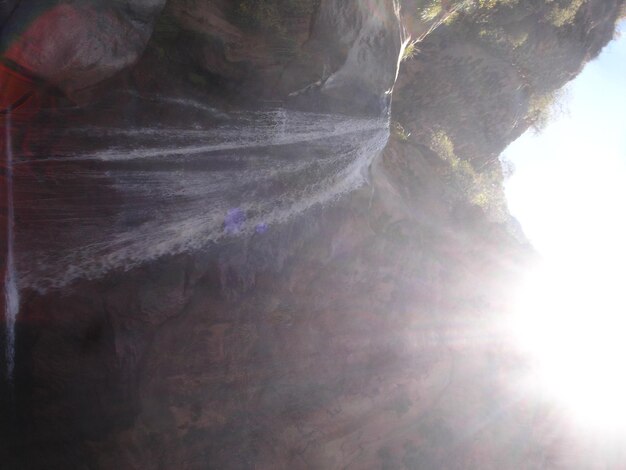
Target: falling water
{"x": 11, "y": 293}
{"x": 140, "y": 193}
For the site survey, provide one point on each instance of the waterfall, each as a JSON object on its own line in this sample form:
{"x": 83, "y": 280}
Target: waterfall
{"x": 11, "y": 293}
{"x": 134, "y": 194}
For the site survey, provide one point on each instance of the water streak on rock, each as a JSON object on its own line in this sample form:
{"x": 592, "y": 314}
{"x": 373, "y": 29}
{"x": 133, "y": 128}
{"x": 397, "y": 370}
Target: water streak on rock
{"x": 164, "y": 191}
{"x": 11, "y": 292}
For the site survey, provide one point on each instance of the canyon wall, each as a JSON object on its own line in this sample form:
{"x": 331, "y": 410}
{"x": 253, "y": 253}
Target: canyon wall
{"x": 362, "y": 334}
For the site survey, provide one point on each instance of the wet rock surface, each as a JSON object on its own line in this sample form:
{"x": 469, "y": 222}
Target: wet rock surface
{"x": 358, "y": 333}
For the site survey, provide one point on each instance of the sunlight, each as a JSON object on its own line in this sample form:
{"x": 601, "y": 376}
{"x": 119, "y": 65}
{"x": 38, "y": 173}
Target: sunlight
{"x": 569, "y": 322}
{"x": 568, "y": 193}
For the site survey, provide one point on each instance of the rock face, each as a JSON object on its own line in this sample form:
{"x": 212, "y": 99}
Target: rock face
{"x": 334, "y": 54}
{"x": 489, "y": 71}
{"x": 366, "y": 338}
{"x": 370, "y": 33}
{"x": 75, "y": 45}
{"x": 6, "y": 7}
{"x": 197, "y": 362}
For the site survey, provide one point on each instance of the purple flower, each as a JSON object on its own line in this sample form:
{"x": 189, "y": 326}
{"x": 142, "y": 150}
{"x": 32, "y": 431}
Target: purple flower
{"x": 261, "y": 228}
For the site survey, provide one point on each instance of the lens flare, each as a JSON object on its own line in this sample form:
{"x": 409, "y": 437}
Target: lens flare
{"x": 569, "y": 322}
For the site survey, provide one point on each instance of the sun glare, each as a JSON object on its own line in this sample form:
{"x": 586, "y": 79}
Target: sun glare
{"x": 569, "y": 195}
{"x": 570, "y": 324}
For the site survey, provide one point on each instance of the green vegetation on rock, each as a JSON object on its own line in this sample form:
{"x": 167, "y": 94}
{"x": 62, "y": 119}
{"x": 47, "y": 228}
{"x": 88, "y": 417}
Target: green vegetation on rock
{"x": 410, "y": 50}
{"x": 557, "y": 12}
{"x": 564, "y": 12}
{"x": 399, "y": 132}
{"x": 544, "y": 108}
{"x": 481, "y": 188}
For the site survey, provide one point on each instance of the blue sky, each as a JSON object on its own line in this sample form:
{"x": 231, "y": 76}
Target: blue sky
{"x": 569, "y": 188}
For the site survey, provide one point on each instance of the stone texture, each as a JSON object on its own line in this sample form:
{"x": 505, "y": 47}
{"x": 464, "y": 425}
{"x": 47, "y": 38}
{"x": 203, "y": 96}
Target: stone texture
{"x": 76, "y": 45}
{"x": 368, "y": 343}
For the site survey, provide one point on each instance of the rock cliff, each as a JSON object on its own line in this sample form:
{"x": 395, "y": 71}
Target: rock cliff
{"x": 362, "y": 334}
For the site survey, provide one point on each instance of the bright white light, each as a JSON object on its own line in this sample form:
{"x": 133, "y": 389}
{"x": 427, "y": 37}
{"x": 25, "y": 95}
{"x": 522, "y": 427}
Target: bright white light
{"x": 569, "y": 193}
{"x": 572, "y": 326}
